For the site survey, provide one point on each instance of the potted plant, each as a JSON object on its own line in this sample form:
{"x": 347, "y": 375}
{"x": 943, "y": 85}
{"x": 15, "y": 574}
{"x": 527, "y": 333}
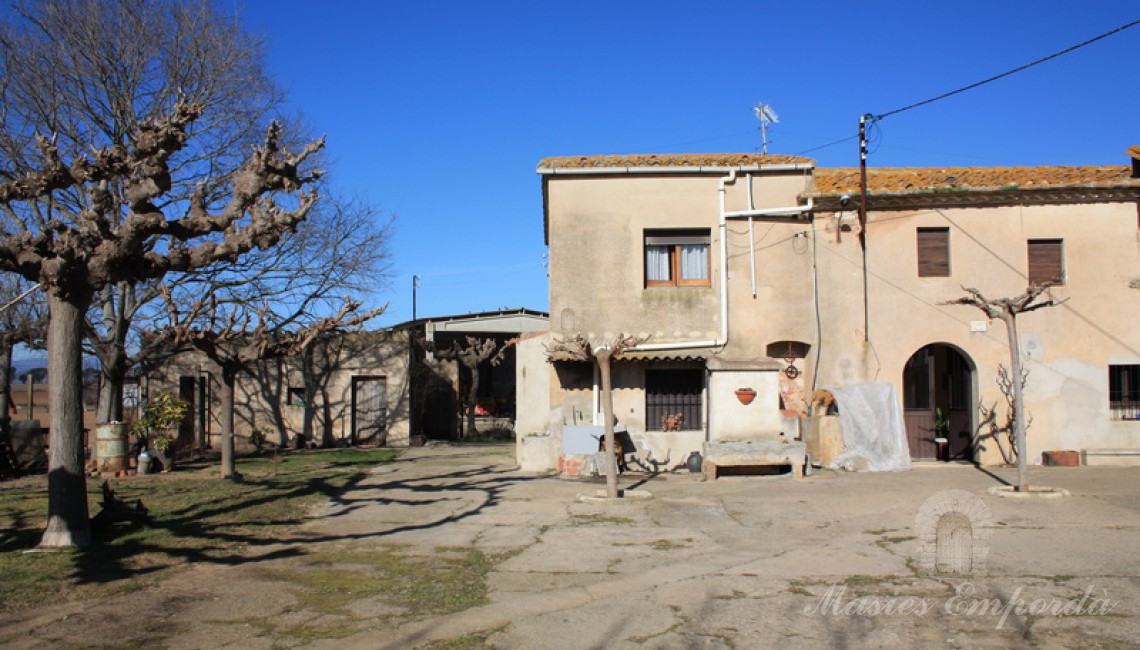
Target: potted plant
{"x": 157, "y": 428}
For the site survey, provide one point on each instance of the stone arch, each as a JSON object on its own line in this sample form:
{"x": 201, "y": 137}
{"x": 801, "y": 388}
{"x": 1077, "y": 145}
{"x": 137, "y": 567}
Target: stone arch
{"x": 954, "y": 528}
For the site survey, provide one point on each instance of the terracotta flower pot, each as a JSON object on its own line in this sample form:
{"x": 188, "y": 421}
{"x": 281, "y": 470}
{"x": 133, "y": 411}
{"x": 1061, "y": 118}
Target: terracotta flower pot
{"x": 745, "y": 395}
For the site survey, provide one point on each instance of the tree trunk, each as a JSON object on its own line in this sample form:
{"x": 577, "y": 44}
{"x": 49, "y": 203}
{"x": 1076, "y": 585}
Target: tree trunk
{"x": 117, "y": 306}
{"x": 68, "y": 523}
{"x": 328, "y": 438}
{"x": 111, "y": 391}
{"x": 603, "y": 358}
{"x": 1018, "y": 402}
{"x": 229, "y": 379}
{"x": 6, "y": 389}
{"x": 472, "y": 396}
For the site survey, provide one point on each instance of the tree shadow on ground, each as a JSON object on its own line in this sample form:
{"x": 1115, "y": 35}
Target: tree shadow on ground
{"x": 217, "y": 541}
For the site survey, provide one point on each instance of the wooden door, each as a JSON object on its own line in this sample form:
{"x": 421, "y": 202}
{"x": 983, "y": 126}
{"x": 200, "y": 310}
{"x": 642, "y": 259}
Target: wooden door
{"x": 369, "y": 410}
{"x": 937, "y": 403}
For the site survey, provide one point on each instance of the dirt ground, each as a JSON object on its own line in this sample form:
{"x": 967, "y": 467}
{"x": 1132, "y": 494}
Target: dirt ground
{"x": 453, "y": 548}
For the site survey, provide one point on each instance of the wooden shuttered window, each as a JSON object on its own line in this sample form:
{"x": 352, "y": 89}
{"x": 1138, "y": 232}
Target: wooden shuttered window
{"x": 1046, "y": 261}
{"x": 933, "y": 252}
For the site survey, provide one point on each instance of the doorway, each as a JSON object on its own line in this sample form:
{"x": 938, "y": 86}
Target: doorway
{"x": 369, "y": 410}
{"x": 938, "y": 403}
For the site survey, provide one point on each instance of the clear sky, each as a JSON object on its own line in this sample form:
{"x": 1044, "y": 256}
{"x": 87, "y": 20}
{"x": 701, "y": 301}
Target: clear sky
{"x": 438, "y": 112}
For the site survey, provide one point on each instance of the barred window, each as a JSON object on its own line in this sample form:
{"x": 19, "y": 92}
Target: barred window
{"x": 1124, "y": 392}
{"x": 673, "y": 399}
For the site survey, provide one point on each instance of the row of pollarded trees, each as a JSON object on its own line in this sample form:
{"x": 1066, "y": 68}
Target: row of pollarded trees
{"x": 140, "y": 158}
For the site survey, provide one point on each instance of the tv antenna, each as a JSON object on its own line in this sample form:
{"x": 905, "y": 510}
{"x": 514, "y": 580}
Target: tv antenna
{"x": 767, "y": 116}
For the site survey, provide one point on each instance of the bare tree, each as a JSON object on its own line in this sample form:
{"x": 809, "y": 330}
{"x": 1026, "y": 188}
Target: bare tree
{"x": 23, "y": 319}
{"x": 581, "y": 349}
{"x": 341, "y": 249}
{"x": 1007, "y": 311}
{"x": 990, "y": 429}
{"x": 237, "y": 336}
{"x": 471, "y": 354}
{"x": 122, "y": 234}
{"x": 90, "y": 73}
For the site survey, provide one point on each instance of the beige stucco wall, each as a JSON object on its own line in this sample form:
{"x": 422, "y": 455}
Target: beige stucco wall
{"x": 596, "y": 226}
{"x": 733, "y": 420}
{"x": 1068, "y": 348}
{"x": 596, "y": 232}
{"x": 532, "y": 385}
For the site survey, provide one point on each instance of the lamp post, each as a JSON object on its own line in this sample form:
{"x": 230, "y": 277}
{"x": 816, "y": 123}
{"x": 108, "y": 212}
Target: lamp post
{"x": 415, "y": 285}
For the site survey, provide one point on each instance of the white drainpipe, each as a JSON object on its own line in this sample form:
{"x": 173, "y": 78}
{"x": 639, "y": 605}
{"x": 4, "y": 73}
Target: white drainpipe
{"x": 751, "y": 239}
{"x": 723, "y": 339}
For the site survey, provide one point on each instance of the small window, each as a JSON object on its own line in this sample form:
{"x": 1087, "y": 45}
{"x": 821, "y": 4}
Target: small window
{"x": 1124, "y": 392}
{"x": 675, "y": 258}
{"x": 1046, "y": 261}
{"x": 933, "y": 252}
{"x": 296, "y": 396}
{"x": 673, "y": 399}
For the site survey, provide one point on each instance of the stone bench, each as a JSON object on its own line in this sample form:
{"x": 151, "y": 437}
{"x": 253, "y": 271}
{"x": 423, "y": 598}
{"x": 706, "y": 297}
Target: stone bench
{"x": 753, "y": 453}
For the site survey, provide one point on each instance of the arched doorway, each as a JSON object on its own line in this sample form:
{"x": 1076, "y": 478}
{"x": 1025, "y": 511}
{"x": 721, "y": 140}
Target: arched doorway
{"x": 938, "y": 402}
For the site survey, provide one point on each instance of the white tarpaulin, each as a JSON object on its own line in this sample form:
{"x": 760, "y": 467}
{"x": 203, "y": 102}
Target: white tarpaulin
{"x": 874, "y": 434}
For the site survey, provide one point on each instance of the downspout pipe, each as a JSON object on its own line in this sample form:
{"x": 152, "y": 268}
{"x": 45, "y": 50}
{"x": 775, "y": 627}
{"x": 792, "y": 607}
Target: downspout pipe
{"x": 731, "y": 178}
{"x": 751, "y": 239}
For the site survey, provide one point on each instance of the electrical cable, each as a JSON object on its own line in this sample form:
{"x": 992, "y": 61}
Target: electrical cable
{"x": 829, "y": 144}
{"x": 20, "y": 297}
{"x": 1008, "y": 72}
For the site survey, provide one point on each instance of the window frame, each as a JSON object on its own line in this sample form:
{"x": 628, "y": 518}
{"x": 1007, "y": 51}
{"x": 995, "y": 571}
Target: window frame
{"x": 929, "y": 267}
{"x": 1124, "y": 391}
{"x": 1034, "y": 250}
{"x": 690, "y": 403}
{"x": 674, "y": 240}
{"x": 295, "y": 396}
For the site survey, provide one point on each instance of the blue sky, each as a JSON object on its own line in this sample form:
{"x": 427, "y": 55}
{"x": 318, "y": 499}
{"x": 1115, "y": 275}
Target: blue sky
{"x": 438, "y": 112}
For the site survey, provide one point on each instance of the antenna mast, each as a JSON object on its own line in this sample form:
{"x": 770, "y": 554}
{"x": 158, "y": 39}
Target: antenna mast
{"x": 766, "y": 115}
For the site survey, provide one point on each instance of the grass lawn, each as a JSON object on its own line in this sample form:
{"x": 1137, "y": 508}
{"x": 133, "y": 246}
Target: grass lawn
{"x": 198, "y": 517}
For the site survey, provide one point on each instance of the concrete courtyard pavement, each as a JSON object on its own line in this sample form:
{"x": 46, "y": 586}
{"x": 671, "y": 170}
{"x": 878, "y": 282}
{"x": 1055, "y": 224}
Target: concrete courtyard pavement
{"x": 830, "y": 560}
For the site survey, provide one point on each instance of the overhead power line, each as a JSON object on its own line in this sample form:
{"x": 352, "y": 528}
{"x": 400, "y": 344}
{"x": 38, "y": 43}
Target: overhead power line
{"x": 1009, "y": 72}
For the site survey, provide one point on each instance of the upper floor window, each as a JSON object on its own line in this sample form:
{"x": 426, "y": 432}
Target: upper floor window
{"x": 933, "y": 252}
{"x": 1046, "y": 261}
{"x": 677, "y": 258}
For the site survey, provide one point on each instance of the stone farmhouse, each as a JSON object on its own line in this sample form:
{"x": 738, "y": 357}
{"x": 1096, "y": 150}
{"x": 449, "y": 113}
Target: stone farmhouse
{"x": 383, "y": 387}
{"x": 753, "y": 273}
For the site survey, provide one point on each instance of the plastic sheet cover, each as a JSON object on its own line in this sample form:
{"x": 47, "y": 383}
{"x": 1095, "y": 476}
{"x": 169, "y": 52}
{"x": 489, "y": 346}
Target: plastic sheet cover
{"x": 874, "y": 434}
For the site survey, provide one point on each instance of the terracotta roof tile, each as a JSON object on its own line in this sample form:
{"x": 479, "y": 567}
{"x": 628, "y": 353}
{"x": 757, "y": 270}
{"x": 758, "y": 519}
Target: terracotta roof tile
{"x": 901, "y": 180}
{"x": 672, "y": 160}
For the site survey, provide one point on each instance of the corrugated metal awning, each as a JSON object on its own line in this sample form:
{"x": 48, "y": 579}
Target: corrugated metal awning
{"x": 697, "y": 354}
